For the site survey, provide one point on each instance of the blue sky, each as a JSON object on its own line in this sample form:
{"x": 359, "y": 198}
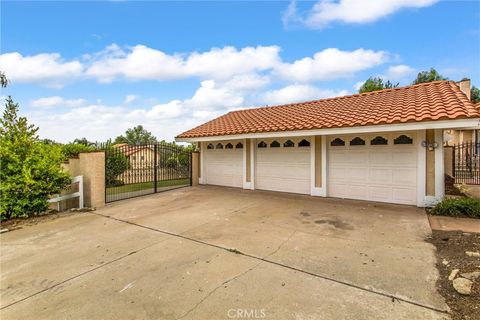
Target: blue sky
{"x": 93, "y": 69}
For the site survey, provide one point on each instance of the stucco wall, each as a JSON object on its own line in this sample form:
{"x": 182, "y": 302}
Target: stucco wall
{"x": 318, "y": 161}
{"x": 195, "y": 168}
{"x": 92, "y": 167}
{"x": 430, "y": 165}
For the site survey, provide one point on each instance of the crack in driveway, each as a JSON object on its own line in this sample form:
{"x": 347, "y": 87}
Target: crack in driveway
{"x": 393, "y": 297}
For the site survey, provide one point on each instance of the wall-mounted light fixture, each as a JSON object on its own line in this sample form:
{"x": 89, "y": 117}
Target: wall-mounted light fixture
{"x": 430, "y": 145}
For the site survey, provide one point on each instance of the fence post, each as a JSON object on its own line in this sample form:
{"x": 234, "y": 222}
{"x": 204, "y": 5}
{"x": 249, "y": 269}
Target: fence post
{"x": 155, "y": 160}
{"x": 453, "y": 161}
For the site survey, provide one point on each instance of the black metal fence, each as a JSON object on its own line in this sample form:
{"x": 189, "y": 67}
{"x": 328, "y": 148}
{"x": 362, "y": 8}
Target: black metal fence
{"x": 136, "y": 170}
{"x": 466, "y": 163}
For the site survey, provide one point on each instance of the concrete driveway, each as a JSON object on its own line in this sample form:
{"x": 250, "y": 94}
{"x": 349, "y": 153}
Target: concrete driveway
{"x": 218, "y": 253}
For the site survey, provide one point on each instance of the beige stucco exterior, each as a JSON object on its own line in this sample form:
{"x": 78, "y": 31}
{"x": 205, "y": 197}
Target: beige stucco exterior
{"x": 318, "y": 161}
{"x": 430, "y": 165}
{"x": 248, "y": 169}
{"x": 195, "y": 168}
{"x": 91, "y": 166}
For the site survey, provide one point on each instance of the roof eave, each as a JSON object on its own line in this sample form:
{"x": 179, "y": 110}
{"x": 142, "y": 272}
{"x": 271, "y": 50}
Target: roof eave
{"x": 439, "y": 124}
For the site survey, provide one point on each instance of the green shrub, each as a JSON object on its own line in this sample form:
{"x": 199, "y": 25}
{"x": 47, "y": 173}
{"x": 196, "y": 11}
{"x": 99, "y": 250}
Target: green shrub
{"x": 458, "y": 207}
{"x": 71, "y": 150}
{"x": 116, "y": 164}
{"x": 30, "y": 170}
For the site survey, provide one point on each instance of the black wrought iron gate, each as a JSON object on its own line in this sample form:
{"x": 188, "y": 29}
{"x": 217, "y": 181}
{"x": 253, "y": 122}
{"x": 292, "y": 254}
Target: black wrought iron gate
{"x": 466, "y": 163}
{"x": 137, "y": 170}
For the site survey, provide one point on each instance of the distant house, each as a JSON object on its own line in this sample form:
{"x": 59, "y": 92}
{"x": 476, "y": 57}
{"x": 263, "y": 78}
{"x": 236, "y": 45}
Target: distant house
{"x": 381, "y": 146}
{"x": 139, "y": 156}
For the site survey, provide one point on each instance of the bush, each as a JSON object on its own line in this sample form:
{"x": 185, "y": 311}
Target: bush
{"x": 71, "y": 150}
{"x": 30, "y": 169}
{"x": 116, "y": 164}
{"x": 458, "y": 207}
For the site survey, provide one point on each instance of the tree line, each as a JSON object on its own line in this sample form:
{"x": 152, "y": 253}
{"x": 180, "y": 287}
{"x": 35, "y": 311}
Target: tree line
{"x": 377, "y": 83}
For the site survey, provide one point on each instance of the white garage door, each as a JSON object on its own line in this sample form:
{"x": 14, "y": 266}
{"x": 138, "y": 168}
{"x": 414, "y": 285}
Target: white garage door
{"x": 223, "y": 164}
{"x": 283, "y": 165}
{"x": 378, "y": 167}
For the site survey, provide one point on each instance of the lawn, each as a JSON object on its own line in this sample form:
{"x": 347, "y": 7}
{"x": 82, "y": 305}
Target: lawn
{"x": 147, "y": 185}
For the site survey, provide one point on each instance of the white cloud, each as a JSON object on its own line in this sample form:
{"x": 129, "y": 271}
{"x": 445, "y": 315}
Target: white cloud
{"x": 210, "y": 96}
{"x": 325, "y": 12}
{"x": 358, "y": 85}
{"x": 143, "y": 63}
{"x": 330, "y": 64}
{"x": 399, "y": 73}
{"x": 129, "y": 98}
{"x": 241, "y": 69}
{"x": 299, "y": 93}
{"x": 46, "y": 68}
{"x": 56, "y": 101}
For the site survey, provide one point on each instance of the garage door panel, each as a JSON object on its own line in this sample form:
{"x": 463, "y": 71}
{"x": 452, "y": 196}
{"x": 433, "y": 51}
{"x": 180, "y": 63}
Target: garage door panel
{"x": 404, "y": 176}
{"x": 356, "y": 174}
{"x": 380, "y": 175}
{"x": 386, "y": 173}
{"x": 378, "y": 193}
{"x": 380, "y": 157}
{"x": 283, "y": 169}
{"x": 405, "y": 196}
{"x": 224, "y": 167}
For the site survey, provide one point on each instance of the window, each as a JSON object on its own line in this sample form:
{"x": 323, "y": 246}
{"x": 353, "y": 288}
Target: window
{"x": 262, "y": 144}
{"x": 378, "y": 140}
{"x": 239, "y": 145}
{"x": 274, "y": 144}
{"x": 229, "y": 146}
{"x": 337, "y": 142}
{"x": 357, "y": 142}
{"x": 219, "y": 146}
{"x": 403, "y": 139}
{"x": 289, "y": 144}
{"x": 210, "y": 146}
{"x": 304, "y": 143}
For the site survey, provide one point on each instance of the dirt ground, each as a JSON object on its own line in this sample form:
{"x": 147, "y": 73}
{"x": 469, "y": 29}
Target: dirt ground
{"x": 451, "y": 247}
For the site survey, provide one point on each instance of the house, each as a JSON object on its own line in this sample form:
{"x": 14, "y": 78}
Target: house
{"x": 140, "y": 163}
{"x": 382, "y": 146}
{"x": 466, "y": 135}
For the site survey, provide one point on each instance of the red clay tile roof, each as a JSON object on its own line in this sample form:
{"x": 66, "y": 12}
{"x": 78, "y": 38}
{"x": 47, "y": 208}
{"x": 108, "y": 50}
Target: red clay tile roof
{"x": 438, "y": 100}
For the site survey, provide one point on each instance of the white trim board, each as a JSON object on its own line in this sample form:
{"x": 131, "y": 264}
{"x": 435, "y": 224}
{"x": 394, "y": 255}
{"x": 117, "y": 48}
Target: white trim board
{"x": 441, "y": 124}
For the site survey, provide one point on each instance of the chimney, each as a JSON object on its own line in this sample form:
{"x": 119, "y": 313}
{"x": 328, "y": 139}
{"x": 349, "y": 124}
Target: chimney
{"x": 464, "y": 85}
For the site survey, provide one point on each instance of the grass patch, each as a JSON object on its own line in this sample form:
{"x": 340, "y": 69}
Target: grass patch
{"x": 455, "y": 207}
{"x": 147, "y": 185}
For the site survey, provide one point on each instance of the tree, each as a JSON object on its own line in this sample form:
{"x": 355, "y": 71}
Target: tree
{"x": 376, "y": 83}
{"x": 115, "y": 164}
{"x": 475, "y": 94}
{"x": 3, "y": 80}
{"x": 428, "y": 76}
{"x": 30, "y": 169}
{"x": 136, "y": 136}
{"x": 83, "y": 141}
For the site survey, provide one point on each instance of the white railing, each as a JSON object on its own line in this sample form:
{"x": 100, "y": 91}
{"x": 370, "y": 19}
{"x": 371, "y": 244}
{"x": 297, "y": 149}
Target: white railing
{"x": 78, "y": 194}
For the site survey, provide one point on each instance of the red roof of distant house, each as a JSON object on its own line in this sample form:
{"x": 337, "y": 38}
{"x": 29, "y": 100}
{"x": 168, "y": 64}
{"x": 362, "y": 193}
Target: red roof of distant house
{"x": 438, "y": 100}
{"x": 128, "y": 150}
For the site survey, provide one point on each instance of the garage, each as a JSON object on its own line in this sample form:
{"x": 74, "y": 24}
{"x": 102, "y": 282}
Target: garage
{"x": 283, "y": 165}
{"x": 376, "y": 167}
{"x": 223, "y": 163}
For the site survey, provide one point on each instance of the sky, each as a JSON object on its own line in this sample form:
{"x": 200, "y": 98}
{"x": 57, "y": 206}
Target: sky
{"x": 96, "y": 68}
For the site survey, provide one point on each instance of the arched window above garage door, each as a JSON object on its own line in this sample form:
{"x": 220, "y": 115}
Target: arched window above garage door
{"x": 275, "y": 144}
{"x": 262, "y": 144}
{"x": 378, "y": 140}
{"x": 403, "y": 139}
{"x": 357, "y": 141}
{"x": 210, "y": 146}
{"x": 288, "y": 144}
{"x": 337, "y": 142}
{"x": 219, "y": 146}
{"x": 304, "y": 143}
{"x": 229, "y": 146}
{"x": 239, "y": 145}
